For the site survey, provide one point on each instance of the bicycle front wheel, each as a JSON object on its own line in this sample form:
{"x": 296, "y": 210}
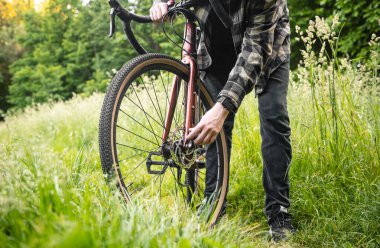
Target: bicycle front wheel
{"x": 132, "y": 148}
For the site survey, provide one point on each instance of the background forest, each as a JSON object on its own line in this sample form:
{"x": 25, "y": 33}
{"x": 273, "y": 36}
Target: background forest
{"x": 51, "y": 50}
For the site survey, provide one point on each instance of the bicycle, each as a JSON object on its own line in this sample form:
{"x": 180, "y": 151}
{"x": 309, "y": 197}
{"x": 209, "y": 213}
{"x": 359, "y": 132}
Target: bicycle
{"x": 143, "y": 126}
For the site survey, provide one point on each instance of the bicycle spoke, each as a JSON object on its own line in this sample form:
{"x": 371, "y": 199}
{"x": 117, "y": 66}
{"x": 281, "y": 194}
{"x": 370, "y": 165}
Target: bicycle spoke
{"x": 144, "y": 111}
{"x": 139, "y": 164}
{"x": 201, "y": 178}
{"x": 154, "y": 106}
{"x": 183, "y": 103}
{"x": 161, "y": 179}
{"x": 200, "y": 190}
{"x": 180, "y": 111}
{"x": 138, "y": 149}
{"x": 175, "y": 184}
{"x": 133, "y": 156}
{"x": 151, "y": 131}
{"x": 122, "y": 128}
{"x": 145, "y": 184}
{"x": 158, "y": 102}
{"x": 203, "y": 173}
{"x": 167, "y": 97}
{"x": 179, "y": 186}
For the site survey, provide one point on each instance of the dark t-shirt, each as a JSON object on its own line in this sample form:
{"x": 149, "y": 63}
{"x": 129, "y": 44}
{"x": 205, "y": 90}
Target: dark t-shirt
{"x": 222, "y": 52}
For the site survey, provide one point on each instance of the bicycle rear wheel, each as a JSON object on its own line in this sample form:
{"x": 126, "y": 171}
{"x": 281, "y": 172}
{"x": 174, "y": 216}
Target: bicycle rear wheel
{"x": 130, "y": 137}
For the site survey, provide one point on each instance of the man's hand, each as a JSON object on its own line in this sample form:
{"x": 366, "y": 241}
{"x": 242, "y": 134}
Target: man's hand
{"x": 158, "y": 11}
{"x": 209, "y": 126}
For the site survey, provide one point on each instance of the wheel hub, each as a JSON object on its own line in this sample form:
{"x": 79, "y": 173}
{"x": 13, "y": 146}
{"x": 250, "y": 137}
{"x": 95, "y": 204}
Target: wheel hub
{"x": 183, "y": 155}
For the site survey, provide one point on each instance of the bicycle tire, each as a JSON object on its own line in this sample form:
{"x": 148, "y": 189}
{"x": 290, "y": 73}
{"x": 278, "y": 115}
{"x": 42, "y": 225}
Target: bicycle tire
{"x": 109, "y": 118}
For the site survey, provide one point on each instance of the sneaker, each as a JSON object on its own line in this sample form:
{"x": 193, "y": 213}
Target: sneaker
{"x": 281, "y": 227}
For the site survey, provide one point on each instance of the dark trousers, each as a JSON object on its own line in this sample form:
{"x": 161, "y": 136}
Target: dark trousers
{"x": 275, "y": 134}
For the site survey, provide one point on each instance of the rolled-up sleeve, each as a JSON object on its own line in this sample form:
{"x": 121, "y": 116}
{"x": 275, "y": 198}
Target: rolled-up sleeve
{"x": 257, "y": 46}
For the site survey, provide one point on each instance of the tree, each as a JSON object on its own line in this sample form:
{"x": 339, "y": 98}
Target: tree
{"x": 40, "y": 74}
{"x": 10, "y": 50}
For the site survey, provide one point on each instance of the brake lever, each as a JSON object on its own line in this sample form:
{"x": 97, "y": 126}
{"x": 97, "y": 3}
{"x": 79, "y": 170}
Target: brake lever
{"x": 112, "y": 22}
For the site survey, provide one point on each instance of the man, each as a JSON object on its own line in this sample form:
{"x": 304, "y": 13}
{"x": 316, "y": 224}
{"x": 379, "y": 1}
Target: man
{"x": 255, "y": 55}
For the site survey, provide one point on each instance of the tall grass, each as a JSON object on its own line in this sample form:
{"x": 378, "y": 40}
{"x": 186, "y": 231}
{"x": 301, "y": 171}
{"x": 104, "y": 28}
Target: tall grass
{"x": 53, "y": 194}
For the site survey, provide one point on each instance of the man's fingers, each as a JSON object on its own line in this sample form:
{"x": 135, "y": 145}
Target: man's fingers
{"x": 158, "y": 14}
{"x": 210, "y": 138}
{"x": 164, "y": 9}
{"x": 201, "y": 137}
{"x": 157, "y": 11}
{"x": 213, "y": 138}
{"x": 206, "y": 140}
{"x": 193, "y": 132}
{"x": 151, "y": 13}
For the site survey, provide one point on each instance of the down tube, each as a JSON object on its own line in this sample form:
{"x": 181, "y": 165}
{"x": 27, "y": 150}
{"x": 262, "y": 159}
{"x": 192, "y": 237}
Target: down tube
{"x": 172, "y": 105}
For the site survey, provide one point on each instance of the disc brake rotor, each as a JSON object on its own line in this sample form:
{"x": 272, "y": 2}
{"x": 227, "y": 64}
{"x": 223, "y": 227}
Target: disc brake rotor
{"x": 183, "y": 155}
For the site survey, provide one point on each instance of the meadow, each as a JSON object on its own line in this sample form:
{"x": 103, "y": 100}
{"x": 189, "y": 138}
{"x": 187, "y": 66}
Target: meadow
{"x": 53, "y": 193}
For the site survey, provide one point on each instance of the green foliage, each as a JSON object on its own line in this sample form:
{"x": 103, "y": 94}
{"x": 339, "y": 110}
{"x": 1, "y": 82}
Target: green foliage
{"x": 40, "y": 74}
{"x": 38, "y": 84}
{"x": 10, "y": 50}
{"x": 360, "y": 18}
{"x": 67, "y": 51}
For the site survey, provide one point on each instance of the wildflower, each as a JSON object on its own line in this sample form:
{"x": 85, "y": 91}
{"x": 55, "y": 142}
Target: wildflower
{"x": 321, "y": 60}
{"x": 335, "y": 21}
{"x": 297, "y": 29}
{"x": 310, "y": 34}
{"x": 311, "y": 27}
{"x": 344, "y": 63}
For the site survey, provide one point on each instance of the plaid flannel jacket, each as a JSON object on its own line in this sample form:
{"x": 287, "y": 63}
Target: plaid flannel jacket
{"x": 260, "y": 33}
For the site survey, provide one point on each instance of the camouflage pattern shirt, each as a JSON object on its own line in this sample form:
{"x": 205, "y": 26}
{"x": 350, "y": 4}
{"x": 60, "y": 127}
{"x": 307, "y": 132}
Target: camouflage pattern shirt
{"x": 260, "y": 33}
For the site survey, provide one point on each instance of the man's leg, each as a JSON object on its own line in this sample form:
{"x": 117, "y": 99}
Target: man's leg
{"x": 275, "y": 147}
{"x": 214, "y": 86}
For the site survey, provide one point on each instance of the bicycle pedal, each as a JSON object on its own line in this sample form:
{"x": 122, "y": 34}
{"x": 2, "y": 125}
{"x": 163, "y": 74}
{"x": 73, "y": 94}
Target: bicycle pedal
{"x": 150, "y": 163}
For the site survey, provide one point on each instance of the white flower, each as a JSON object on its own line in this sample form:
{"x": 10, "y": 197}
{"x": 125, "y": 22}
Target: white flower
{"x": 297, "y": 29}
{"x": 335, "y": 21}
